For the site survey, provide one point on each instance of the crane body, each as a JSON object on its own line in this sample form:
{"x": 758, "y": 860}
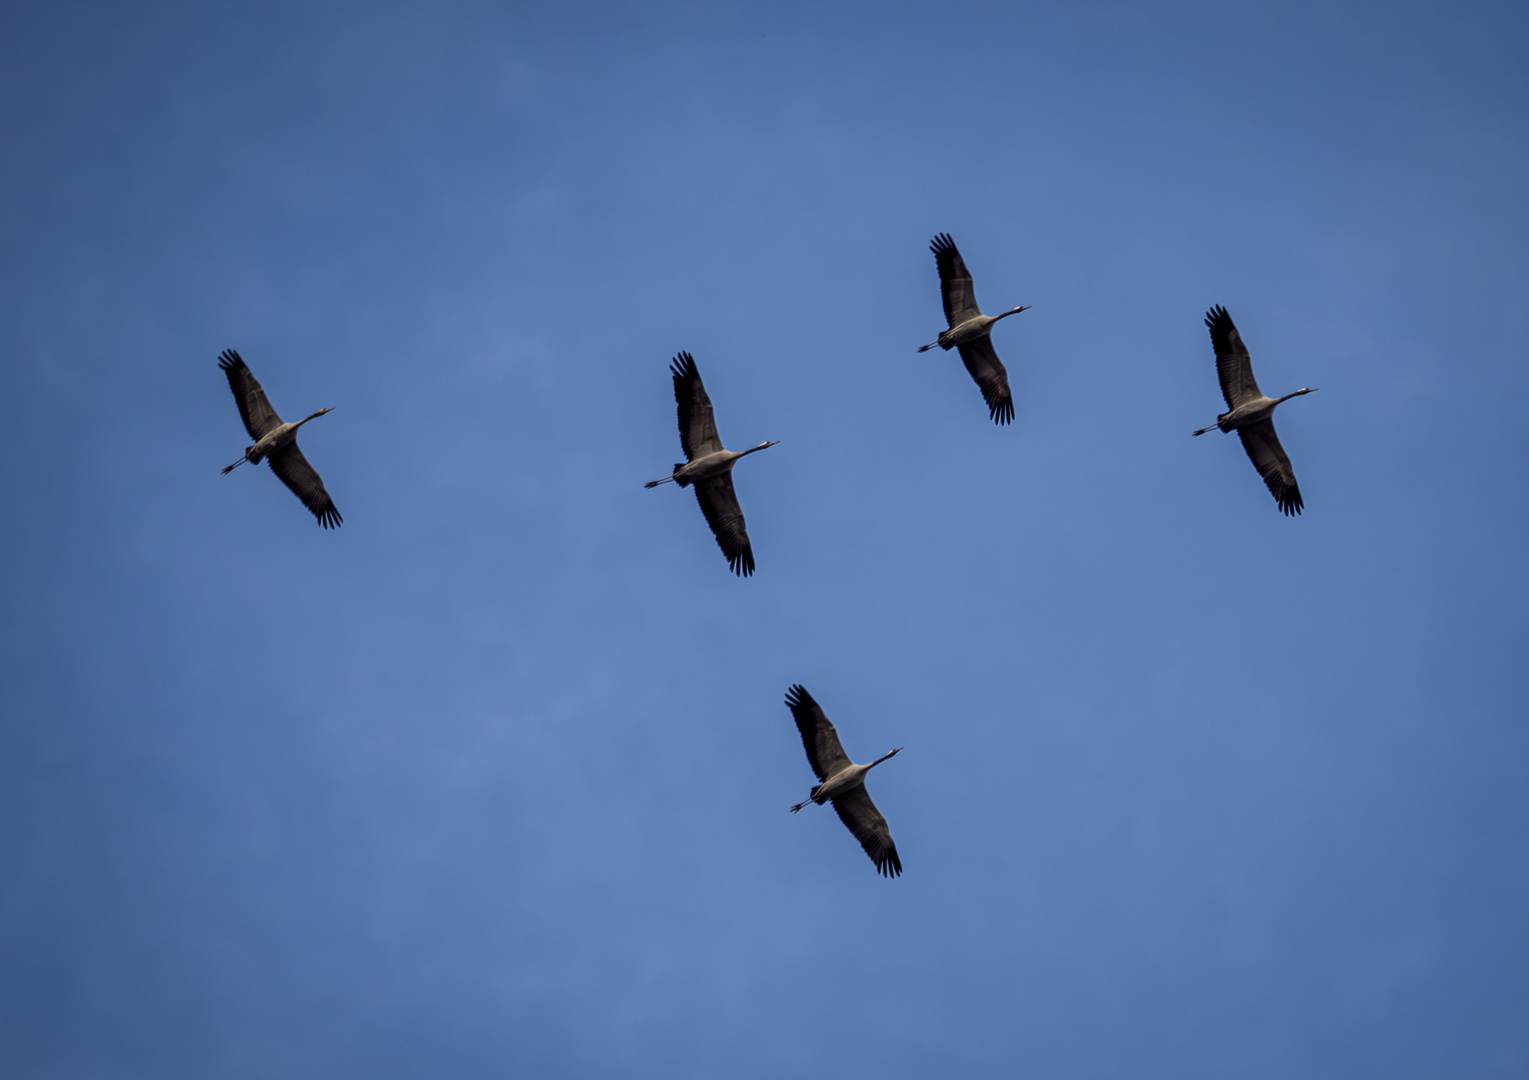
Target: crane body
{"x": 964, "y": 333}
{"x": 707, "y": 466}
{"x": 848, "y": 777}
{"x": 283, "y": 436}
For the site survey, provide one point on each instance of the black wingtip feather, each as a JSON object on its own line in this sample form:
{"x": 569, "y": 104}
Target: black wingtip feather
{"x": 1224, "y": 338}
{"x": 229, "y": 360}
{"x": 683, "y": 367}
{"x": 945, "y": 254}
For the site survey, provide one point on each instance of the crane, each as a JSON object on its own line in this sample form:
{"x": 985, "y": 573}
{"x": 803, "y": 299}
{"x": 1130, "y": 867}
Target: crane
{"x": 970, "y": 330}
{"x": 1250, "y": 413}
{"x": 708, "y": 467}
{"x": 276, "y": 441}
{"x": 843, "y": 782}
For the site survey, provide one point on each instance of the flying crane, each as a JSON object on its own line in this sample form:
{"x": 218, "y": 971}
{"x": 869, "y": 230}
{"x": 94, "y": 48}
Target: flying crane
{"x": 1250, "y": 413}
{"x": 709, "y": 468}
{"x": 843, "y": 782}
{"x": 276, "y": 441}
{"x": 970, "y": 330}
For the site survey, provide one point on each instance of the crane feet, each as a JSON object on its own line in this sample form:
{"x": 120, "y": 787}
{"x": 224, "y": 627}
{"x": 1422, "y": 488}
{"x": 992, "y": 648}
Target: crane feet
{"x": 799, "y": 805}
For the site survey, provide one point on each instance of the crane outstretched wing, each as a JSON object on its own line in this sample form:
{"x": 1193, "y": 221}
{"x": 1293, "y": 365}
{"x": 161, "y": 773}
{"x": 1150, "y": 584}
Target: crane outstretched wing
{"x": 1273, "y": 464}
{"x": 862, "y": 818}
{"x": 698, "y": 428}
{"x": 955, "y": 281}
{"x": 819, "y": 738}
{"x": 1233, "y": 364}
{"x": 991, "y": 376}
{"x": 719, "y": 502}
{"x": 304, "y": 482}
{"x": 254, "y": 408}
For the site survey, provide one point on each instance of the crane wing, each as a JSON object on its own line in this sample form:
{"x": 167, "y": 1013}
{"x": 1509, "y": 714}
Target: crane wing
{"x": 1273, "y": 464}
{"x": 821, "y": 741}
{"x": 1233, "y": 364}
{"x": 719, "y": 502}
{"x": 698, "y": 429}
{"x": 955, "y": 281}
{"x": 991, "y": 376}
{"x": 862, "y": 818}
{"x": 304, "y": 482}
{"x": 254, "y": 409}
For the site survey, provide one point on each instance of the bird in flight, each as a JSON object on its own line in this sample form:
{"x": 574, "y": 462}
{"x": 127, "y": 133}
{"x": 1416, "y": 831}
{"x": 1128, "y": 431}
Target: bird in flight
{"x": 276, "y": 441}
{"x": 970, "y": 330}
{"x": 843, "y": 782}
{"x": 708, "y": 467}
{"x": 1250, "y": 413}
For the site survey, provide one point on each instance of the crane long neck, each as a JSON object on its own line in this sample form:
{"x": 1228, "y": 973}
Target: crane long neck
{"x": 311, "y": 416}
{"x": 882, "y": 758}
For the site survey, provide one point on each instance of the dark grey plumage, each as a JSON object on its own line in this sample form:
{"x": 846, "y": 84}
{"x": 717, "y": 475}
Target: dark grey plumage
{"x": 698, "y": 423}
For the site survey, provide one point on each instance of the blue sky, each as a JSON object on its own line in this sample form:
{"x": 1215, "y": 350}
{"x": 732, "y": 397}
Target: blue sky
{"x": 493, "y": 781}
